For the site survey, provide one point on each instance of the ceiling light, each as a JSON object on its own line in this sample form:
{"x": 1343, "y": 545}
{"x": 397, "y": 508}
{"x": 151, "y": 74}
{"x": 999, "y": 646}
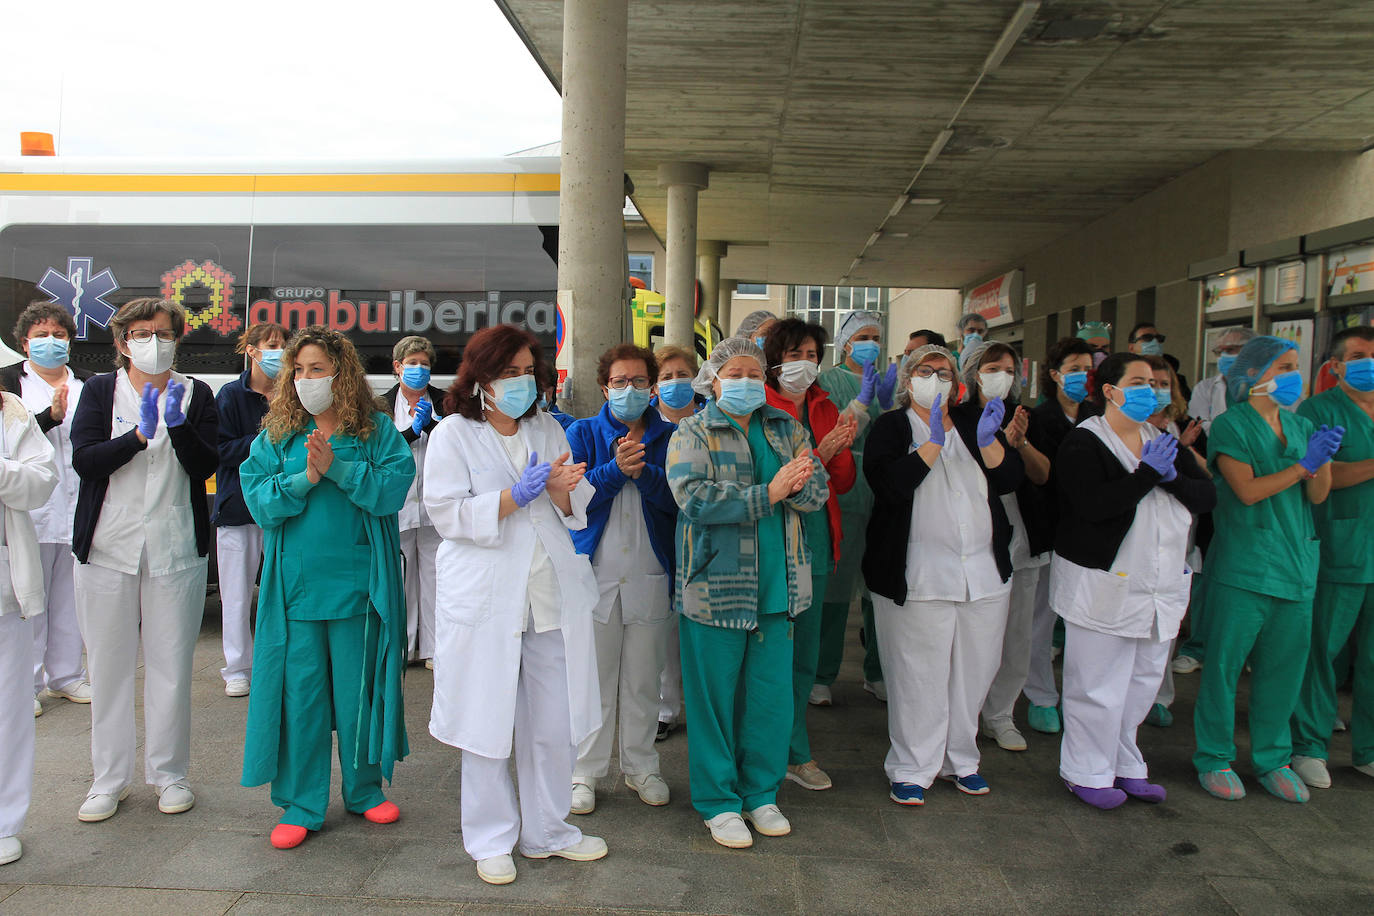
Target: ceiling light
{"x": 1010, "y": 35}
{"x": 873, "y": 239}
{"x": 897, "y": 206}
{"x": 936, "y": 146}
{"x": 925, "y": 201}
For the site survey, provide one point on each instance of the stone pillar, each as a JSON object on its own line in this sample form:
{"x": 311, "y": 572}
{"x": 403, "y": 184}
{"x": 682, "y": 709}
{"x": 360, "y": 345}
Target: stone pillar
{"x": 708, "y": 272}
{"x": 725, "y": 300}
{"x": 683, "y": 180}
{"x": 591, "y": 236}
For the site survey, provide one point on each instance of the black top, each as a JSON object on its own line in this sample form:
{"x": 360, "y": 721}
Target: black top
{"x": 241, "y": 410}
{"x": 894, "y": 471}
{"x": 95, "y": 455}
{"x": 435, "y": 396}
{"x": 11, "y": 380}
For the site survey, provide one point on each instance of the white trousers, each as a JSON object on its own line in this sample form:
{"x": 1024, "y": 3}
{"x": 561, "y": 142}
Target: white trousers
{"x": 1016, "y": 647}
{"x": 629, "y": 659}
{"x": 239, "y": 553}
{"x": 1040, "y": 688}
{"x": 57, "y": 645}
{"x": 16, "y": 722}
{"x": 670, "y": 681}
{"x": 419, "y": 545}
{"x": 493, "y": 817}
{"x": 1166, "y": 694}
{"x": 1110, "y": 684}
{"x": 938, "y": 657}
{"x": 114, "y": 609}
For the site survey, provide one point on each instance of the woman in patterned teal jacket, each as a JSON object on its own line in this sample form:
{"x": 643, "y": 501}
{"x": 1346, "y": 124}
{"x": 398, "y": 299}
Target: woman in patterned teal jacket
{"x": 742, "y": 473}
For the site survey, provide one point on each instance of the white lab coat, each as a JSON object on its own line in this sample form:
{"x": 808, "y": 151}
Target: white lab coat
{"x": 28, "y": 475}
{"x": 483, "y": 572}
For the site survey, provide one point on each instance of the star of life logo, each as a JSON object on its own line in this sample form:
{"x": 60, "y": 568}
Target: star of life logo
{"x": 82, "y": 292}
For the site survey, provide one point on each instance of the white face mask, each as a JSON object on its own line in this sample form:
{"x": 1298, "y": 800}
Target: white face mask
{"x": 995, "y": 385}
{"x": 798, "y": 375}
{"x": 925, "y": 390}
{"x": 152, "y": 356}
{"x": 316, "y": 394}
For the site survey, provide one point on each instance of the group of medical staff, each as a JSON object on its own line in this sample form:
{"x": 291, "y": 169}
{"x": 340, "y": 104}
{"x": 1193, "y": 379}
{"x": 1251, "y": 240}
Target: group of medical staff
{"x": 690, "y": 554}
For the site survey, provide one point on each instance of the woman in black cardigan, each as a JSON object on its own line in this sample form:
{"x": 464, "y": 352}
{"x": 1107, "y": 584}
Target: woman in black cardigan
{"x": 939, "y": 569}
{"x": 1120, "y": 579}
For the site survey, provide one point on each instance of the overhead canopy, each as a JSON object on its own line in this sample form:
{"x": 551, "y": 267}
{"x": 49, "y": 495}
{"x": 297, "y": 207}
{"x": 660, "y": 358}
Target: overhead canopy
{"x": 814, "y": 117}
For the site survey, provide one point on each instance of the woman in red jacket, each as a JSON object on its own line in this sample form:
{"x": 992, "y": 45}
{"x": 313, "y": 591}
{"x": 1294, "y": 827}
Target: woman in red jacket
{"x": 793, "y": 349}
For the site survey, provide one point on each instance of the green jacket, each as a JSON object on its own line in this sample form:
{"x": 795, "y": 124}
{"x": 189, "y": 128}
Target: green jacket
{"x": 1343, "y": 521}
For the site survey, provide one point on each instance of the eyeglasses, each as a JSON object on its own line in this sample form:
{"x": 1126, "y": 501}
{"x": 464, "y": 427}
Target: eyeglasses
{"x": 619, "y": 383}
{"x": 143, "y": 334}
{"x": 944, "y": 375}
{"x": 1149, "y": 337}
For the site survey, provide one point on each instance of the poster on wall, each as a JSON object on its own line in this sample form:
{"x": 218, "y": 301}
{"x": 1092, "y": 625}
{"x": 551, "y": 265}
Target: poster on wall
{"x": 1299, "y": 331}
{"x": 1290, "y": 283}
{"x": 1350, "y": 270}
{"x": 1230, "y": 291}
{"x": 993, "y": 299}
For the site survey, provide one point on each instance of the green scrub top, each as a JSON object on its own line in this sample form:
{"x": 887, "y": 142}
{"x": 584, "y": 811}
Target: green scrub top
{"x": 817, "y": 524}
{"x": 771, "y": 546}
{"x": 1271, "y": 547}
{"x": 843, "y": 387}
{"x": 1344, "y": 520}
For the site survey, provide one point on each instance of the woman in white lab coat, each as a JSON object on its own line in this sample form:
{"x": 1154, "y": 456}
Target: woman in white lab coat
{"x": 514, "y": 652}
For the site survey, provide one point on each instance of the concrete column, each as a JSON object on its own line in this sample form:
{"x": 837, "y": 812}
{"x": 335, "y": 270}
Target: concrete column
{"x": 725, "y": 300}
{"x": 683, "y": 180}
{"x": 591, "y": 247}
{"x": 708, "y": 272}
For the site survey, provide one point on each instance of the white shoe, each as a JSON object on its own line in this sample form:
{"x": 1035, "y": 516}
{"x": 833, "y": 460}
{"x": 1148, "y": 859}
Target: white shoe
{"x": 820, "y": 696}
{"x": 1311, "y": 770}
{"x": 1006, "y": 736}
{"x": 429, "y": 666}
{"x": 878, "y": 689}
{"x": 175, "y": 799}
{"x": 583, "y": 798}
{"x": 496, "y": 869}
{"x": 809, "y": 776}
{"x": 1185, "y": 664}
{"x": 10, "y": 849}
{"x": 587, "y": 849}
{"x": 77, "y": 692}
{"x": 729, "y": 830}
{"x": 37, "y": 707}
{"x": 650, "y": 788}
{"x": 768, "y": 820}
{"x": 236, "y": 687}
{"x": 101, "y": 807}
{"x": 1365, "y": 768}
{"x": 1338, "y": 725}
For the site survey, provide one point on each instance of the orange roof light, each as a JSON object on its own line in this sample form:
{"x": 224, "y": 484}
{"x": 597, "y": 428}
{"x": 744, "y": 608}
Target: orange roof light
{"x": 36, "y": 143}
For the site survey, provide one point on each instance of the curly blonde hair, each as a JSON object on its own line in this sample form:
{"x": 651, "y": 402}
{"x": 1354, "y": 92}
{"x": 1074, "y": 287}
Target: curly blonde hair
{"x": 354, "y": 401}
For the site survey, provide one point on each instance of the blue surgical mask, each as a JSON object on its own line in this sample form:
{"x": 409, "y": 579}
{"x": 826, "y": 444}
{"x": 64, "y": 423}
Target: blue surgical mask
{"x": 543, "y": 403}
{"x": 48, "y": 352}
{"x": 676, "y": 393}
{"x": 628, "y": 403}
{"x": 741, "y": 396}
{"x": 972, "y": 339}
{"x": 864, "y": 351}
{"x": 269, "y": 362}
{"x": 1138, "y": 402}
{"x": 1151, "y": 348}
{"x": 1284, "y": 388}
{"x": 512, "y": 396}
{"x": 1163, "y": 398}
{"x": 1225, "y": 361}
{"x": 416, "y": 378}
{"x": 1075, "y": 386}
{"x": 1359, "y": 373}
{"x": 760, "y": 341}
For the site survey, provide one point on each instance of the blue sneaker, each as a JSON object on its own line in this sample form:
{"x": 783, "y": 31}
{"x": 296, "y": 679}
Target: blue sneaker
{"x": 972, "y": 784}
{"x": 907, "y": 793}
{"x": 1044, "y": 719}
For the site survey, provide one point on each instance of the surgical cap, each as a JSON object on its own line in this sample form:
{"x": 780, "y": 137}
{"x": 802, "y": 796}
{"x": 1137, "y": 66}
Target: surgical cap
{"x": 1091, "y": 329}
{"x": 753, "y": 321}
{"x": 852, "y": 323}
{"x": 723, "y": 352}
{"x": 1253, "y": 360}
{"x": 909, "y": 365}
{"x": 968, "y": 371}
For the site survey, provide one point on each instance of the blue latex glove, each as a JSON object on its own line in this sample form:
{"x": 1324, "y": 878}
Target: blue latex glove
{"x": 1322, "y": 447}
{"x": 869, "y": 386}
{"x": 886, "y": 386}
{"x": 937, "y": 421}
{"x": 423, "y": 411}
{"x": 172, "y": 411}
{"x": 1159, "y": 453}
{"x": 531, "y": 482}
{"x": 990, "y": 422}
{"x": 147, "y": 411}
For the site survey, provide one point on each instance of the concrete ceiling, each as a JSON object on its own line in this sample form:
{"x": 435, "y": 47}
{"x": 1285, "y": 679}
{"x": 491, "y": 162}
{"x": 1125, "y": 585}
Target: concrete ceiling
{"x": 815, "y": 115}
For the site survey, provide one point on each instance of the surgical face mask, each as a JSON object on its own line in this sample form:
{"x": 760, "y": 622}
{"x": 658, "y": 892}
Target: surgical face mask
{"x": 269, "y": 362}
{"x": 152, "y": 356}
{"x": 1138, "y": 402}
{"x": 798, "y": 375}
{"x": 1225, "y": 361}
{"x": 995, "y": 385}
{"x": 676, "y": 393}
{"x": 1163, "y": 398}
{"x": 972, "y": 339}
{"x": 740, "y": 396}
{"x": 543, "y": 403}
{"x": 1074, "y": 385}
{"x": 628, "y": 403}
{"x": 48, "y": 352}
{"x": 759, "y": 341}
{"x": 1151, "y": 348}
{"x": 511, "y": 396}
{"x": 864, "y": 351}
{"x": 416, "y": 378}
{"x": 1285, "y": 388}
{"x": 316, "y": 394}
{"x": 925, "y": 390}
{"x": 1098, "y": 357}
{"x": 1358, "y": 373}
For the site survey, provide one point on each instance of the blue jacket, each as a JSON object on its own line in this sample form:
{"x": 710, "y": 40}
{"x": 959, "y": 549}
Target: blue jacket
{"x": 565, "y": 420}
{"x": 241, "y": 410}
{"x": 590, "y": 441}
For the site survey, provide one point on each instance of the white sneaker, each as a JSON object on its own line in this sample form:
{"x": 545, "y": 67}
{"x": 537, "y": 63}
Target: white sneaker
{"x": 101, "y": 807}
{"x": 587, "y": 849}
{"x": 878, "y": 689}
{"x": 768, "y": 820}
{"x": 1311, "y": 770}
{"x": 1185, "y": 664}
{"x": 1338, "y": 725}
{"x": 729, "y": 830}
{"x": 496, "y": 869}
{"x": 809, "y": 776}
{"x": 651, "y": 788}
{"x": 236, "y": 687}
{"x": 1006, "y": 736}
{"x": 10, "y": 849}
{"x": 175, "y": 799}
{"x": 77, "y": 692}
{"x": 583, "y": 798}
{"x": 37, "y": 707}
{"x": 820, "y": 695}
{"x": 1365, "y": 768}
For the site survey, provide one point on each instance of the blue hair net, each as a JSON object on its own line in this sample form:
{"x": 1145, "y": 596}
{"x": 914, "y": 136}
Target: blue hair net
{"x": 1251, "y": 363}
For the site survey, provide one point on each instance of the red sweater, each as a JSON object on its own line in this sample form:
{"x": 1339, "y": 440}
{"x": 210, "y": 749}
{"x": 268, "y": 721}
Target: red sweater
{"x": 822, "y": 414}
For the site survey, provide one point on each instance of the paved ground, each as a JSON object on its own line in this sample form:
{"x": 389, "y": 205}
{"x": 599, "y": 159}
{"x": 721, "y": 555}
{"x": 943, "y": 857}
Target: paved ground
{"x": 1026, "y": 848}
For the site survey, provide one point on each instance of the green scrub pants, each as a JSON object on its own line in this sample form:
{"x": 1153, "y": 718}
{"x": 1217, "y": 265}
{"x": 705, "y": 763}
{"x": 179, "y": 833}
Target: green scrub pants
{"x": 806, "y": 647}
{"x": 324, "y": 681}
{"x": 835, "y": 612}
{"x": 1274, "y": 634}
{"x": 1339, "y": 612}
{"x": 1196, "y": 644}
{"x": 737, "y": 689}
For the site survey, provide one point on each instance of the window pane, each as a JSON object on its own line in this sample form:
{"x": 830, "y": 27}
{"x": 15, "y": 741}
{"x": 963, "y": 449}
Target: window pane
{"x": 751, "y": 289}
{"x": 842, "y": 297}
{"x": 642, "y": 266}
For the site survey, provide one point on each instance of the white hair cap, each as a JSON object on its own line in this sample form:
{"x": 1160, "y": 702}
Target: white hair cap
{"x": 851, "y": 324}
{"x": 723, "y": 352}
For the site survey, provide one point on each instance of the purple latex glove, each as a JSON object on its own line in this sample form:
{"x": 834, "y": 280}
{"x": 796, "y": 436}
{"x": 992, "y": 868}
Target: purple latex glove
{"x": 1322, "y": 447}
{"x": 869, "y": 386}
{"x": 423, "y": 411}
{"x": 990, "y": 422}
{"x": 531, "y": 482}
{"x": 937, "y": 421}
{"x": 886, "y": 386}
{"x": 147, "y": 411}
{"x": 1159, "y": 454}
{"x": 171, "y": 411}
